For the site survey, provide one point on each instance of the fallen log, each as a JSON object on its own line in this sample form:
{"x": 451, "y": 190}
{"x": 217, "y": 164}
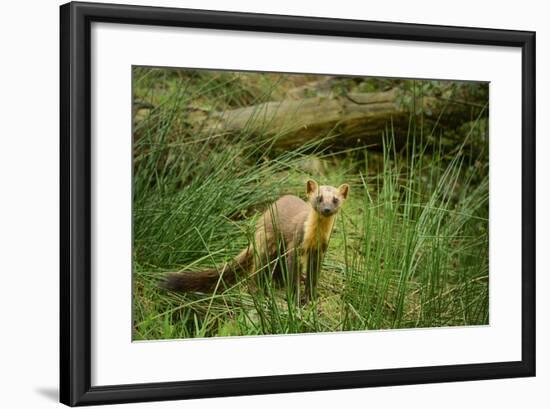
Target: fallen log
{"x": 355, "y": 119}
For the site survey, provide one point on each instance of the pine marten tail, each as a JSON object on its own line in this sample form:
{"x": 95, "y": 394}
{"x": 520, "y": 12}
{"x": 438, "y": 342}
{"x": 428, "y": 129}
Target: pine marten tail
{"x": 205, "y": 281}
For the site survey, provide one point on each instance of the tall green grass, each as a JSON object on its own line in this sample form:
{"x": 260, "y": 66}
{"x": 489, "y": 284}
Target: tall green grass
{"x": 409, "y": 249}
{"x": 418, "y": 254}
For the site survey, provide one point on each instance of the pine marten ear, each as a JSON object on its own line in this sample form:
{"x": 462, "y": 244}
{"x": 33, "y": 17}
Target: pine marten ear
{"x": 311, "y": 187}
{"x": 344, "y": 190}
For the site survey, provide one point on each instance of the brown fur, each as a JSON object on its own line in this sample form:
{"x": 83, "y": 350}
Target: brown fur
{"x": 298, "y": 231}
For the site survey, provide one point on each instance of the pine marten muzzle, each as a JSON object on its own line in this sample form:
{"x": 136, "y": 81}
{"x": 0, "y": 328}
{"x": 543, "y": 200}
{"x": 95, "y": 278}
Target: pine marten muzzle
{"x": 290, "y": 240}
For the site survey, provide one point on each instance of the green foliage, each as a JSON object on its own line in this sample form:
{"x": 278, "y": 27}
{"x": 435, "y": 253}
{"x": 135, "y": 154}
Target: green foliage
{"x": 417, "y": 256}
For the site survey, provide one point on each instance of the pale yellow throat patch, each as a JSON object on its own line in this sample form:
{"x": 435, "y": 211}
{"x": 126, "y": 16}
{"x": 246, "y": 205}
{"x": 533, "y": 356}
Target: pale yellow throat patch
{"x": 317, "y": 230}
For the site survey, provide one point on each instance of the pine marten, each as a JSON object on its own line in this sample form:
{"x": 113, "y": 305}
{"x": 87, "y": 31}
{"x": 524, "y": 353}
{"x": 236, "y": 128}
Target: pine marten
{"x": 291, "y": 231}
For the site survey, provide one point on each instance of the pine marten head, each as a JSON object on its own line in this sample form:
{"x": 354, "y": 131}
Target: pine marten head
{"x": 326, "y": 200}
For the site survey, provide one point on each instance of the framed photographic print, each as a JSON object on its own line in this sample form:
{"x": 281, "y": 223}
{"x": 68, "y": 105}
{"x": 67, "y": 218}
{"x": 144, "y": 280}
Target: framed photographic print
{"x": 259, "y": 204}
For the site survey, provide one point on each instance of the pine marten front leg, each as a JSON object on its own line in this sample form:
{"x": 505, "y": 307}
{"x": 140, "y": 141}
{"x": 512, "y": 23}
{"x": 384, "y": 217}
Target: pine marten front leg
{"x": 312, "y": 262}
{"x": 293, "y": 271}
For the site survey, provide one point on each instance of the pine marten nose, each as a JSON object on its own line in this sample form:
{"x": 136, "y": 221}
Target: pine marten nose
{"x": 326, "y": 210}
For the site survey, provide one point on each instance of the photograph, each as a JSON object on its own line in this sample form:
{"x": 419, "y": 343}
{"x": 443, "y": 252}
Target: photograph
{"x": 272, "y": 203}
{"x": 266, "y": 205}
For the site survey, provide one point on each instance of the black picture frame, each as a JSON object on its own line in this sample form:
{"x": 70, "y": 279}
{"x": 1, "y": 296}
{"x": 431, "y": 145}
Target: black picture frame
{"x": 76, "y": 199}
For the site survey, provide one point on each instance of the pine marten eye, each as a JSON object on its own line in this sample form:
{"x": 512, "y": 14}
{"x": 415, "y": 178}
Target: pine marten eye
{"x": 335, "y": 200}
{"x": 320, "y": 198}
